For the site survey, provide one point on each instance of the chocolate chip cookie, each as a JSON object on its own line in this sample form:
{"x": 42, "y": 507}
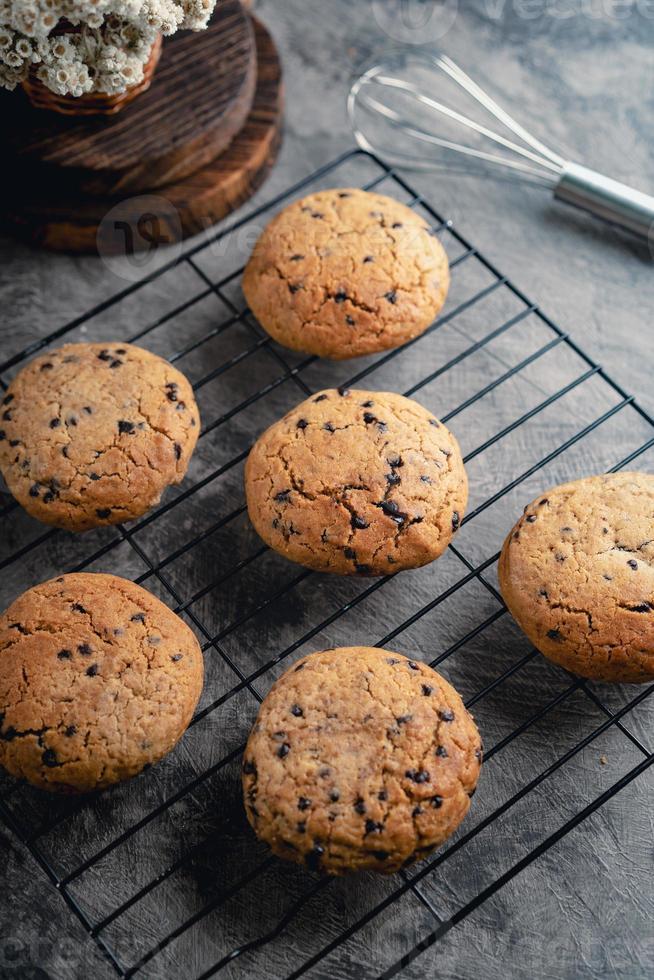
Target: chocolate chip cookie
{"x": 577, "y": 573}
{"x": 92, "y": 434}
{"x": 365, "y": 482}
{"x": 360, "y": 759}
{"x": 98, "y": 679}
{"x": 346, "y": 272}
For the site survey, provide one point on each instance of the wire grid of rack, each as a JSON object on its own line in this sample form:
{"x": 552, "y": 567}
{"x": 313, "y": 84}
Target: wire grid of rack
{"x": 150, "y": 866}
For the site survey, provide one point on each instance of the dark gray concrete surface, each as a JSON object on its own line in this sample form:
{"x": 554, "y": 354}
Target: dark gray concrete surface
{"x": 579, "y": 72}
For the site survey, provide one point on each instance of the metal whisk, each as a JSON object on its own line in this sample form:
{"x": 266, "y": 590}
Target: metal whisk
{"x": 393, "y": 116}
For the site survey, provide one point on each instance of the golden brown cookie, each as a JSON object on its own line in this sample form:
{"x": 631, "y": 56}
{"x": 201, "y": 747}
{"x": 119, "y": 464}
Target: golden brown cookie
{"x": 92, "y": 434}
{"x": 577, "y": 573}
{"x": 360, "y": 759}
{"x": 98, "y": 679}
{"x": 352, "y": 481}
{"x": 346, "y": 272}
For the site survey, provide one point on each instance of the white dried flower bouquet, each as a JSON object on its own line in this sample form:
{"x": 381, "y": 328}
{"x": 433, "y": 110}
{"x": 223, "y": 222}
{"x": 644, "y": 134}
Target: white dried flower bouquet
{"x": 82, "y": 46}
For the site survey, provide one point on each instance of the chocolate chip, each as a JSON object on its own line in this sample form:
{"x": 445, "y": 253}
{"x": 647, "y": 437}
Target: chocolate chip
{"x": 363, "y": 569}
{"x": 358, "y": 523}
{"x": 299, "y": 667}
{"x": 302, "y": 424}
{"x": 34, "y": 490}
{"x": 340, "y": 296}
{"x": 334, "y": 796}
{"x": 294, "y": 287}
{"x": 442, "y": 752}
{"x": 116, "y": 363}
{"x": 3, "y": 435}
{"x": 121, "y": 350}
{"x": 85, "y": 649}
{"x": 417, "y": 775}
{"x": 176, "y": 657}
{"x": 368, "y": 258}
{"x": 70, "y": 731}
{"x": 178, "y": 450}
{"x": 282, "y": 496}
{"x": 427, "y": 690}
{"x": 48, "y": 496}
{"x": 417, "y": 810}
{"x": 372, "y": 827}
{"x": 391, "y": 509}
{"x": 412, "y": 665}
{"x": 393, "y": 479}
{"x": 103, "y": 512}
{"x": 303, "y": 803}
{"x": 359, "y": 806}
{"x": 531, "y": 518}
{"x": 554, "y": 635}
{"x": 404, "y": 719}
{"x": 382, "y": 795}
{"x": 541, "y": 503}
{"x": 296, "y": 258}
{"x": 343, "y": 391}
{"x": 94, "y": 476}
{"x": 350, "y": 553}
{"x": 125, "y": 427}
{"x": 297, "y": 711}
{"x": 92, "y": 670}
{"x": 49, "y": 758}
{"x": 632, "y": 563}
{"x": 380, "y": 855}
{"x": 249, "y": 768}
{"x": 7, "y": 400}
{"x": 312, "y": 860}
{"x": 369, "y": 418}
{"x": 301, "y": 827}
{"x": 55, "y": 423}
{"x": 456, "y": 520}
{"x": 64, "y": 654}
{"x": 78, "y": 607}
{"x": 283, "y": 750}
{"x": 350, "y": 320}
{"x": 642, "y": 607}
{"x": 328, "y": 427}
{"x": 320, "y": 398}
{"x": 47, "y": 366}
{"x": 324, "y": 772}
{"x": 436, "y": 802}
{"x": 6, "y": 416}
{"x": 391, "y": 296}
{"x": 138, "y": 618}
{"x": 344, "y": 194}
{"x": 317, "y": 214}
{"x": 104, "y": 355}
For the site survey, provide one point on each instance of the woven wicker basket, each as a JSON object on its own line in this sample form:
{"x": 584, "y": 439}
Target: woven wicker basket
{"x": 93, "y": 103}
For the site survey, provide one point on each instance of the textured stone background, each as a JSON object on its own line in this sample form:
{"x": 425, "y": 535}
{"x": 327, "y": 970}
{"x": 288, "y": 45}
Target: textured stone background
{"x": 579, "y": 73}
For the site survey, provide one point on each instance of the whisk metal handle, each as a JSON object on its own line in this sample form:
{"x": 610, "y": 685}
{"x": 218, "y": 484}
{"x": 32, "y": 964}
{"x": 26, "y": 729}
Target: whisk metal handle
{"x": 608, "y": 199}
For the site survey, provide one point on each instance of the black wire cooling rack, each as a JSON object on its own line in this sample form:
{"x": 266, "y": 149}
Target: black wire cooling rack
{"x": 163, "y": 872}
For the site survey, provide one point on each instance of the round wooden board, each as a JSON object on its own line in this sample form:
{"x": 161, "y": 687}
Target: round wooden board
{"x": 61, "y": 218}
{"x": 200, "y": 97}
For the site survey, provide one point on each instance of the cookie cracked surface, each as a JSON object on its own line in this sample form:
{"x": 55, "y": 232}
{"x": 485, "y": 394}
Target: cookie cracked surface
{"x": 346, "y": 272}
{"x": 360, "y": 759}
{"x": 92, "y": 434}
{"x": 98, "y": 679}
{"x": 577, "y": 574}
{"x": 357, "y": 482}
